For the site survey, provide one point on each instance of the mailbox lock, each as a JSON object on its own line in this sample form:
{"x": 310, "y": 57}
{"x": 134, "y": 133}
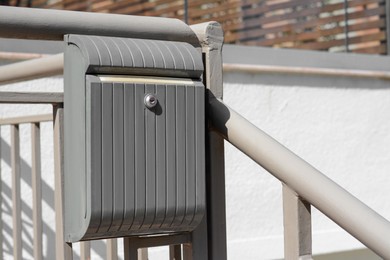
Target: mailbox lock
{"x": 150, "y": 101}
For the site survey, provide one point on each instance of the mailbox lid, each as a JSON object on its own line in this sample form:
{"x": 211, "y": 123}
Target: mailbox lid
{"x": 126, "y": 56}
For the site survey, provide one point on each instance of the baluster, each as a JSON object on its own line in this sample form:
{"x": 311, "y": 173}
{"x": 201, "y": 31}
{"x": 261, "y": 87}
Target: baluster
{"x": 175, "y": 252}
{"x": 143, "y": 253}
{"x": 187, "y": 251}
{"x": 130, "y": 248}
{"x": 85, "y": 250}
{"x": 297, "y": 226}
{"x": 112, "y": 249}
{"x": 36, "y": 188}
{"x": 1, "y": 204}
{"x": 63, "y": 250}
{"x": 16, "y": 207}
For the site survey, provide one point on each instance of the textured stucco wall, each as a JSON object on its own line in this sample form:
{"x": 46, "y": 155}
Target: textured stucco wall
{"x": 342, "y": 129}
{"x": 340, "y": 125}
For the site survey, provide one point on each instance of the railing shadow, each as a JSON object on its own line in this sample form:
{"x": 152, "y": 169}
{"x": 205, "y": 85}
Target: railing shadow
{"x": 48, "y": 228}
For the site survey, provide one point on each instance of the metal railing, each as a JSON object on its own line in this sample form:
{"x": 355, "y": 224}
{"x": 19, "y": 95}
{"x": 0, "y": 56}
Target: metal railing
{"x": 14, "y": 123}
{"x": 298, "y": 196}
{"x": 36, "y": 180}
{"x": 321, "y": 192}
{"x": 54, "y": 65}
{"x": 52, "y": 25}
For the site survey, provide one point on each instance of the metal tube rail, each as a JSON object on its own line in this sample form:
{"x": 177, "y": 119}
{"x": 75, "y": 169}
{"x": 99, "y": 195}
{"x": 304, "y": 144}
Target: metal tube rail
{"x": 247, "y": 68}
{"x": 331, "y": 199}
{"x": 28, "y": 23}
{"x": 19, "y": 56}
{"x": 53, "y": 65}
{"x": 32, "y": 69}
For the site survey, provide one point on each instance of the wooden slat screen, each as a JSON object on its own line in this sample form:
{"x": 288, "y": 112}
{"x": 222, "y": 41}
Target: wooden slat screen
{"x": 301, "y": 24}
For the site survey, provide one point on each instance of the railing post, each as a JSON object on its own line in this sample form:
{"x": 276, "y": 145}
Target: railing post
{"x": 198, "y": 248}
{"x": 297, "y": 226}
{"x": 63, "y": 250}
{"x": 210, "y": 36}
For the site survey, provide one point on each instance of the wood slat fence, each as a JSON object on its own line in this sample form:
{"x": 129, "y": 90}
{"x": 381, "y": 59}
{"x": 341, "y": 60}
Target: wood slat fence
{"x": 331, "y": 25}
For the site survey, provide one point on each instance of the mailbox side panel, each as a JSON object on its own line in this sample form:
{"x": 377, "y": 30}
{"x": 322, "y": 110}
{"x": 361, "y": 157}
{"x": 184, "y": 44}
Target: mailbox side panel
{"x": 74, "y": 145}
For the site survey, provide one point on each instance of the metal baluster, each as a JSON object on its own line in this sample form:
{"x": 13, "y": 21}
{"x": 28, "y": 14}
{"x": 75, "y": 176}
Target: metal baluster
{"x": 16, "y": 207}
{"x": 63, "y": 250}
{"x": 135, "y": 248}
{"x": 130, "y": 248}
{"x": 112, "y": 249}
{"x": 1, "y": 203}
{"x": 175, "y": 252}
{"x": 85, "y": 250}
{"x": 36, "y": 188}
{"x": 143, "y": 254}
{"x": 297, "y": 226}
{"x": 187, "y": 252}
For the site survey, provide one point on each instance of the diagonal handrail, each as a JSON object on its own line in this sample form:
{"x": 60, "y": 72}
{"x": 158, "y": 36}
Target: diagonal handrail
{"x": 331, "y": 199}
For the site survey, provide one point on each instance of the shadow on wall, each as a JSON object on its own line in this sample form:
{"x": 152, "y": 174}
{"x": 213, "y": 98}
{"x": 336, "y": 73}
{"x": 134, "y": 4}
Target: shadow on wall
{"x": 48, "y": 227}
{"x": 27, "y": 235}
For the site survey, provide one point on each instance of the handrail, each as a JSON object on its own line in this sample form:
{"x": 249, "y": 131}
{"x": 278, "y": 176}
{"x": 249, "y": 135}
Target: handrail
{"x": 33, "y": 23}
{"x": 26, "y": 119}
{"x": 19, "y": 56}
{"x": 248, "y": 68}
{"x": 53, "y": 65}
{"x": 331, "y": 199}
{"x": 32, "y": 69}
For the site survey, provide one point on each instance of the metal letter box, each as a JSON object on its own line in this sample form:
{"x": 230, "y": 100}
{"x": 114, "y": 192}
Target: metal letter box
{"x": 134, "y": 136}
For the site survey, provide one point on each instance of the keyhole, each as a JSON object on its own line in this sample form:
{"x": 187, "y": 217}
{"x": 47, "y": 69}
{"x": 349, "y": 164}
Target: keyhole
{"x": 150, "y": 101}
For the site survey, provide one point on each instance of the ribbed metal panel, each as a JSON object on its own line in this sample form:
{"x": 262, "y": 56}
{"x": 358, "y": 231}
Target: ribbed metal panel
{"x": 94, "y": 139}
{"x": 150, "y": 176}
{"x": 142, "y": 57}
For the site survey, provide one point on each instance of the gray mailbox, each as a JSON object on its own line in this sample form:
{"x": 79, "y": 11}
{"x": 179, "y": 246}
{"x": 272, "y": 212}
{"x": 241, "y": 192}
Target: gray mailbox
{"x": 134, "y": 137}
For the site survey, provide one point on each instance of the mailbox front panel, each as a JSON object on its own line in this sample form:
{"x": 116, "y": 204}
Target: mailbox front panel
{"x": 146, "y": 165}
{"x": 132, "y": 168}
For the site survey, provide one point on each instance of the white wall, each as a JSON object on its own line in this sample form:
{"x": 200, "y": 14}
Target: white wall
{"x": 340, "y": 125}
{"x": 341, "y": 130}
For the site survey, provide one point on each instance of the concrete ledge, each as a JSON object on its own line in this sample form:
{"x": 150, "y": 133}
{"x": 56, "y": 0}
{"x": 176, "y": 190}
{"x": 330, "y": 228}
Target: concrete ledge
{"x": 301, "y": 58}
